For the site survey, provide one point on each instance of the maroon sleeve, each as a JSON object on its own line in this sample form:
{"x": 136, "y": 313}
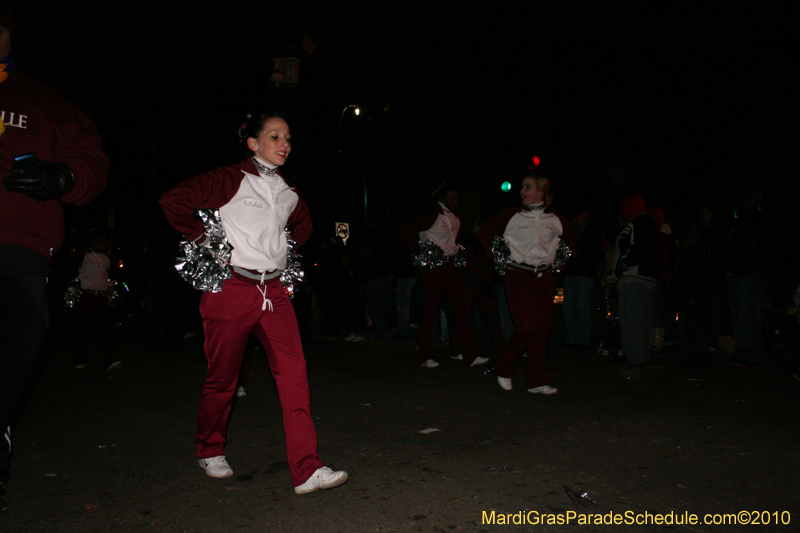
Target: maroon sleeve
{"x": 410, "y": 233}
{"x": 77, "y": 144}
{"x": 495, "y": 226}
{"x": 300, "y": 223}
{"x": 207, "y": 191}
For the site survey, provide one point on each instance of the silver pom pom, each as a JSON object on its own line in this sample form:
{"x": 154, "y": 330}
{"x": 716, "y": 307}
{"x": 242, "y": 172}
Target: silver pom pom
{"x": 73, "y": 294}
{"x": 206, "y": 267}
{"x": 293, "y": 273}
{"x": 113, "y": 294}
{"x": 562, "y": 256}
{"x": 501, "y": 254}
{"x": 430, "y": 255}
{"x": 460, "y": 258}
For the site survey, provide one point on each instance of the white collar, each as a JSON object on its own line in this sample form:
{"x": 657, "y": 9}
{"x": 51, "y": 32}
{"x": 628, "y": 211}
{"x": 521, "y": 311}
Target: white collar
{"x": 271, "y": 167}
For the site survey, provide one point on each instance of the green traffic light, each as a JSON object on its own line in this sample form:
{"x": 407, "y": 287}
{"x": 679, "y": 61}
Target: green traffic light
{"x": 506, "y": 186}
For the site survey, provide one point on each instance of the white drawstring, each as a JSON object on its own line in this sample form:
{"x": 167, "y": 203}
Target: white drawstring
{"x": 266, "y": 300}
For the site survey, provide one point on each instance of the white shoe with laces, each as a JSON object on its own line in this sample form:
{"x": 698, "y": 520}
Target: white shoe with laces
{"x": 430, "y": 363}
{"x": 216, "y": 466}
{"x": 505, "y": 383}
{"x": 544, "y": 389}
{"x": 323, "y": 478}
{"x": 480, "y": 361}
{"x": 240, "y": 392}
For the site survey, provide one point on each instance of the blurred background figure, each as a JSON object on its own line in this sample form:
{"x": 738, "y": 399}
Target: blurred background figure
{"x": 377, "y": 278}
{"x": 441, "y": 226}
{"x": 700, "y": 278}
{"x": 748, "y": 267}
{"x": 663, "y": 302}
{"x": 477, "y": 280}
{"x": 94, "y": 306}
{"x": 637, "y": 266}
{"x": 579, "y": 277}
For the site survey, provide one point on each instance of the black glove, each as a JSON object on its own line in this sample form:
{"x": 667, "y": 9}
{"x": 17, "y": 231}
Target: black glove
{"x": 41, "y": 180}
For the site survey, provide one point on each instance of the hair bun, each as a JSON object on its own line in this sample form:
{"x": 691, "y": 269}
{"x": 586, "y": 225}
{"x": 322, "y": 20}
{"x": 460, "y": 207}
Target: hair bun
{"x": 243, "y": 128}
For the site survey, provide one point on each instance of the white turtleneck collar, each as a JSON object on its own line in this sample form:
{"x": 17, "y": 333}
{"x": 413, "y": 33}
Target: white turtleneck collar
{"x": 535, "y": 207}
{"x": 264, "y": 163}
{"x": 269, "y": 173}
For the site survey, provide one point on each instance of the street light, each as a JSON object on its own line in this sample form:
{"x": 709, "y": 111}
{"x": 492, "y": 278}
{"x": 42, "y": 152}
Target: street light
{"x": 356, "y": 112}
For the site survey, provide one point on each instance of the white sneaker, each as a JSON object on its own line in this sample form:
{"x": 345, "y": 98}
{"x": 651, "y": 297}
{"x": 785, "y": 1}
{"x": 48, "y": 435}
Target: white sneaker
{"x": 430, "y": 363}
{"x": 241, "y": 392}
{"x": 216, "y": 466}
{"x": 544, "y": 389}
{"x": 480, "y": 361}
{"x": 323, "y": 478}
{"x": 113, "y": 366}
{"x": 505, "y": 383}
{"x": 459, "y": 357}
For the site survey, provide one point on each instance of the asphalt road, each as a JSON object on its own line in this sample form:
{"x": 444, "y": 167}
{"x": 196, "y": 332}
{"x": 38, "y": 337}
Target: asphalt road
{"x": 115, "y": 452}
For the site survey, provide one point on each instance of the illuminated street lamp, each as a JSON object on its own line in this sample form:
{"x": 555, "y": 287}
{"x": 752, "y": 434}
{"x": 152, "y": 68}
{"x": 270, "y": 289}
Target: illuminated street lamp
{"x": 356, "y": 112}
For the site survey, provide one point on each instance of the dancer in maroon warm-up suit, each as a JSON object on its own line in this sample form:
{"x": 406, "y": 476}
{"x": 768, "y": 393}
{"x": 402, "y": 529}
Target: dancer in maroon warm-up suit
{"x": 533, "y": 233}
{"x": 255, "y": 203}
{"x": 441, "y": 226}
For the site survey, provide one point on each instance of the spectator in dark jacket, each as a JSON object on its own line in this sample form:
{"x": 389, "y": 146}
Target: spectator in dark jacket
{"x": 663, "y": 302}
{"x": 637, "y": 266}
{"x": 579, "y": 278}
{"x": 748, "y": 262}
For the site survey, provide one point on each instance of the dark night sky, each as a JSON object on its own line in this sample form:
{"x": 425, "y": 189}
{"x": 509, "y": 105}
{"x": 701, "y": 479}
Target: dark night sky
{"x": 690, "y": 100}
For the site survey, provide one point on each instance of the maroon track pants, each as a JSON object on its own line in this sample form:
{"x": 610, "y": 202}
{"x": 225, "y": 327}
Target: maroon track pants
{"x": 530, "y": 300}
{"x": 229, "y": 317}
{"x": 435, "y": 282}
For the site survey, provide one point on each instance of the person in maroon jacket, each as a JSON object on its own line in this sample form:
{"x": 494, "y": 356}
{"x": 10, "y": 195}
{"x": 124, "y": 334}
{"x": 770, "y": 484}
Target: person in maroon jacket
{"x": 255, "y": 203}
{"x": 533, "y": 233}
{"x": 50, "y": 153}
{"x": 440, "y": 225}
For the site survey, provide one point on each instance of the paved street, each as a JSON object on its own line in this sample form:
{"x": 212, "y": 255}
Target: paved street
{"x": 115, "y": 452}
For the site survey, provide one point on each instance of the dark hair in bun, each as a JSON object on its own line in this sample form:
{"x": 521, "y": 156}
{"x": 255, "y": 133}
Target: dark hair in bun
{"x": 255, "y": 124}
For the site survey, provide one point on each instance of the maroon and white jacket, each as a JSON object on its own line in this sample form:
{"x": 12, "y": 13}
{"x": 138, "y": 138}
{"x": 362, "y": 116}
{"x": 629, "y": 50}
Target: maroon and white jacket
{"x": 254, "y": 210}
{"x": 440, "y": 225}
{"x": 533, "y": 235}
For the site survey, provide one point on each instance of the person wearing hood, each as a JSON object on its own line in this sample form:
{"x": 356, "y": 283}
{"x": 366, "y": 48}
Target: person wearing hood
{"x": 637, "y": 267}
